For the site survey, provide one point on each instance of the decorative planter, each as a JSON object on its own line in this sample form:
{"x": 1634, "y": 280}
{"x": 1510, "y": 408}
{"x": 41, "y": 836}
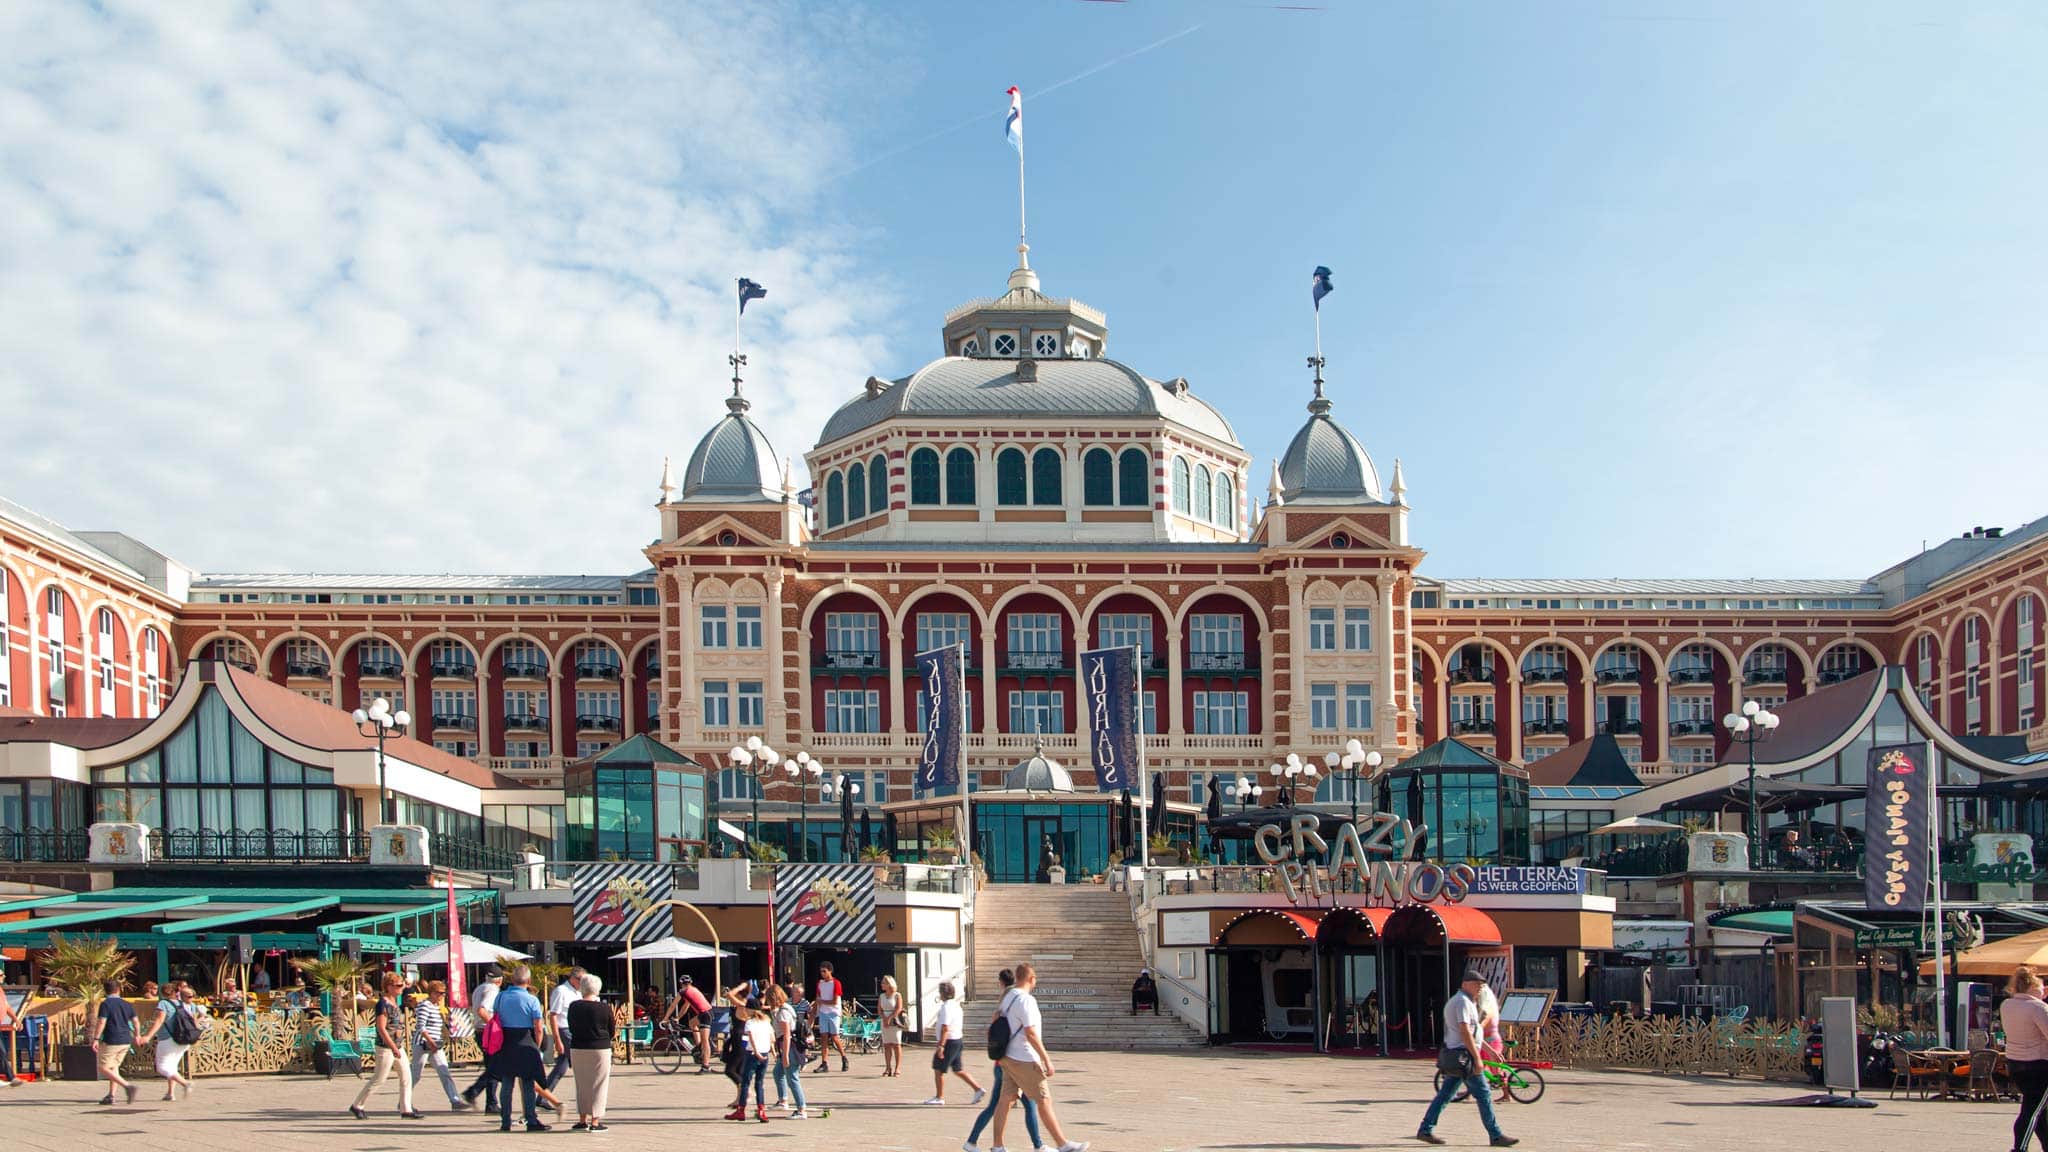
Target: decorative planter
{"x": 1057, "y": 874}
{"x": 77, "y": 1062}
{"x": 942, "y": 856}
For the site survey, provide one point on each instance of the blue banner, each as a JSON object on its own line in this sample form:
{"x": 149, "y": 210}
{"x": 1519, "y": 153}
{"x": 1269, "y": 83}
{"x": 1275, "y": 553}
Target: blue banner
{"x": 945, "y": 728}
{"x": 1897, "y": 827}
{"x": 1109, "y": 691}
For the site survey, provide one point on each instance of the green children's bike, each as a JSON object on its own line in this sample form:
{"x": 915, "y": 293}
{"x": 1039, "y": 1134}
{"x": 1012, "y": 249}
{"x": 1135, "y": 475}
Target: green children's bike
{"x": 1520, "y": 1083}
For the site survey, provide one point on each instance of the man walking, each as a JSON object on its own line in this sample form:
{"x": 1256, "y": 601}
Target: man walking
{"x": 1459, "y": 1062}
{"x": 947, "y": 1047}
{"x": 485, "y": 1002}
{"x": 1027, "y": 1066}
{"x": 565, "y": 994}
{"x": 524, "y": 1023}
{"x": 112, "y": 1036}
{"x": 825, "y": 1018}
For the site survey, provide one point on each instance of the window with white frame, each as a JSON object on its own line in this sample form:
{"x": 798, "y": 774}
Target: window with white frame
{"x": 103, "y": 622}
{"x": 853, "y": 633}
{"x": 1923, "y": 659}
{"x": 1973, "y": 640}
{"x": 1322, "y": 707}
{"x": 529, "y": 749}
{"x": 1772, "y": 702}
{"x": 1035, "y": 640}
{"x": 1358, "y": 707}
{"x": 1632, "y": 754}
{"x": 466, "y": 749}
{"x": 1472, "y": 712}
{"x": 712, "y": 627}
{"x": 1150, "y": 720}
{"x": 1545, "y": 712}
{"x": 1045, "y": 345}
{"x": 453, "y": 707}
{"x": 1222, "y": 713}
{"x": 718, "y": 704}
{"x": 599, "y": 704}
{"x": 1003, "y": 343}
{"x": 526, "y": 704}
{"x": 445, "y": 657}
{"x": 1693, "y": 755}
{"x": 1841, "y": 661}
{"x": 1973, "y": 703}
{"x": 1358, "y": 629}
{"x": 588, "y": 748}
{"x": 1035, "y": 712}
{"x": 152, "y": 672}
{"x": 736, "y": 784}
{"x": 1535, "y": 752}
{"x": 853, "y": 710}
{"x": 752, "y": 705}
{"x": 1215, "y": 634}
{"x": 2024, "y": 617}
{"x": 1693, "y": 710}
{"x": 57, "y": 658}
{"x": 746, "y": 626}
{"x": 937, "y": 630}
{"x": 1125, "y": 630}
{"x": 1322, "y": 629}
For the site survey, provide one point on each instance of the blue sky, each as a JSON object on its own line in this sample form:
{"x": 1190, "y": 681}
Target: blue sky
{"x": 1669, "y": 289}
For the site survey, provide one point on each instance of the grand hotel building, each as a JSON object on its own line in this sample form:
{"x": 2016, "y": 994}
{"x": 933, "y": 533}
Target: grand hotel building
{"x": 1030, "y": 496}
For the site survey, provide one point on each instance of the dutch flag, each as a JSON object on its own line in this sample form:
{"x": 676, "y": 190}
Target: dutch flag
{"x": 1013, "y": 124}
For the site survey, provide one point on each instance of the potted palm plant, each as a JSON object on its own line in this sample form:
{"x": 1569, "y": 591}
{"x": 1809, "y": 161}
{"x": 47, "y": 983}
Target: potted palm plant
{"x": 335, "y": 977}
{"x": 1162, "y": 850}
{"x": 79, "y": 966}
{"x": 941, "y": 849}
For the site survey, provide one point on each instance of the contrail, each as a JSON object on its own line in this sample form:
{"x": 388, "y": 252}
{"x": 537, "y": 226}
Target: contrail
{"x": 996, "y": 112}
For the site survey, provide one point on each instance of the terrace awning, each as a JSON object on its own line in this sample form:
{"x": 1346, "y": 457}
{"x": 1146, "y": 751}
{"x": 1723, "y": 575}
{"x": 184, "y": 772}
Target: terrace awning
{"x": 111, "y": 912}
{"x": 1771, "y": 796}
{"x": 246, "y": 915}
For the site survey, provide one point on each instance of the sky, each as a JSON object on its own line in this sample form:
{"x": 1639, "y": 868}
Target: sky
{"x": 1660, "y": 289}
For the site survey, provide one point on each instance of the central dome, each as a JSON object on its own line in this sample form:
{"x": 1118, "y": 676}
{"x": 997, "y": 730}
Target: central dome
{"x": 1326, "y": 462}
{"x": 997, "y": 387}
{"x": 734, "y": 461}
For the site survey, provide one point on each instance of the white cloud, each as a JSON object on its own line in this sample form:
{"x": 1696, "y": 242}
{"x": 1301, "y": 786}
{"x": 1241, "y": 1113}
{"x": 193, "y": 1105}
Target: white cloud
{"x": 462, "y": 271}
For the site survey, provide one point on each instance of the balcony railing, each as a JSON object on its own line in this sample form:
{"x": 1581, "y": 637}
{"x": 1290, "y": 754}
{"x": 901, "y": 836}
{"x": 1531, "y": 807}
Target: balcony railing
{"x": 1768, "y": 674}
{"x": 317, "y": 668}
{"x": 452, "y": 669}
{"x": 854, "y": 660}
{"x": 968, "y": 662}
{"x": 173, "y": 845}
{"x": 1631, "y": 674}
{"x": 1472, "y": 674}
{"x": 597, "y": 722}
{"x": 1668, "y": 857}
{"x": 1692, "y": 675}
{"x": 458, "y": 721}
{"x": 1837, "y": 675}
{"x": 598, "y": 670}
{"x": 1035, "y": 661}
{"x": 1692, "y": 727}
{"x": 528, "y": 768}
{"x": 1545, "y": 675}
{"x": 1472, "y": 725}
{"x": 526, "y": 721}
{"x": 526, "y": 669}
{"x": 1549, "y": 726}
{"x": 1630, "y": 726}
{"x": 1218, "y": 662}
{"x": 38, "y": 846}
{"x": 382, "y": 669}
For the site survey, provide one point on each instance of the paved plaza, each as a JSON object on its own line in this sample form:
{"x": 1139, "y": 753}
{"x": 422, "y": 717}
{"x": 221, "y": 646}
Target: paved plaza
{"x": 1145, "y": 1102}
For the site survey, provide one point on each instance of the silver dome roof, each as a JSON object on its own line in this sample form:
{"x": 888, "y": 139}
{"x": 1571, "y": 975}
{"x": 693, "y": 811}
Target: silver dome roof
{"x": 734, "y": 461}
{"x": 986, "y": 386}
{"x": 1041, "y": 773}
{"x": 1326, "y": 463}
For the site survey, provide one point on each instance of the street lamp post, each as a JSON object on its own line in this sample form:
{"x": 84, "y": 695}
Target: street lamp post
{"x": 759, "y": 761}
{"x": 803, "y": 770}
{"x": 379, "y": 722}
{"x": 1755, "y": 722}
{"x": 1245, "y": 791}
{"x": 1355, "y": 757}
{"x": 1295, "y": 768}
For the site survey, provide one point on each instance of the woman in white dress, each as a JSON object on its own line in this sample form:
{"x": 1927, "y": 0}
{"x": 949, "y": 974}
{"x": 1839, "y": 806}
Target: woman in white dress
{"x": 889, "y": 1008}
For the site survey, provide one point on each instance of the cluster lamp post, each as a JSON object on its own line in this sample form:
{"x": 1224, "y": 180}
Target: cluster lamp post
{"x": 379, "y": 722}
{"x": 1755, "y": 722}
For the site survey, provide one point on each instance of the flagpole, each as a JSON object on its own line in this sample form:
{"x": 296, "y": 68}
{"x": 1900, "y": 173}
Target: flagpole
{"x": 1940, "y": 927}
{"x": 739, "y": 306}
{"x": 966, "y": 848}
{"x": 1021, "y": 241}
{"x": 1144, "y": 806}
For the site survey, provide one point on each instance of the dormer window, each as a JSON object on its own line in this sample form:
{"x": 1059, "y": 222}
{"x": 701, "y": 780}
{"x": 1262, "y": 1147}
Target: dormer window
{"x": 1045, "y": 345}
{"x": 1004, "y": 343}
{"x": 970, "y": 347}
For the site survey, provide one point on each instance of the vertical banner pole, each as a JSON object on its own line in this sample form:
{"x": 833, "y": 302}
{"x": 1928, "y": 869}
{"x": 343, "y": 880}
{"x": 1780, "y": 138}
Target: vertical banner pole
{"x": 1138, "y": 704}
{"x": 965, "y": 844}
{"x": 1934, "y": 874}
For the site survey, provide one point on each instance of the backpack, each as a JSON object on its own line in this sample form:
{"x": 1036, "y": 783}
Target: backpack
{"x": 801, "y": 1036}
{"x": 999, "y": 1036}
{"x": 492, "y": 1038}
{"x": 183, "y": 1028}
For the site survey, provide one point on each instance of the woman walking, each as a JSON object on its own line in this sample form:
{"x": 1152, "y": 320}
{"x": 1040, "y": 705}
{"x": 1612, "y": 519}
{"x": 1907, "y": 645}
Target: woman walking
{"x": 592, "y": 1028}
{"x": 430, "y": 1042}
{"x": 889, "y": 1010}
{"x": 759, "y": 1041}
{"x": 2025, "y": 1017}
{"x": 390, "y": 1019}
{"x": 995, "y": 1091}
{"x": 173, "y": 1036}
{"x": 789, "y": 1052}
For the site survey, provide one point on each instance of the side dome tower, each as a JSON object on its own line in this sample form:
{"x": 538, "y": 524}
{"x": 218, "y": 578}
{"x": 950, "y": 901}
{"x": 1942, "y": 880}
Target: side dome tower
{"x": 734, "y": 463}
{"x": 1325, "y": 463}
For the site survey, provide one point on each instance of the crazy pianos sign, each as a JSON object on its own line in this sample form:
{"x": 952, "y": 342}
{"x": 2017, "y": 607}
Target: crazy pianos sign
{"x": 1392, "y": 876}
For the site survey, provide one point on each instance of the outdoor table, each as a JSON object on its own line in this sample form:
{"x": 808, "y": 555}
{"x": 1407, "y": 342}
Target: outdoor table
{"x": 1951, "y": 1064}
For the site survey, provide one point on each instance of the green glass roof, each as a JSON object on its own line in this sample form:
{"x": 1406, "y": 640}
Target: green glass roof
{"x": 640, "y": 749}
{"x": 1454, "y": 753}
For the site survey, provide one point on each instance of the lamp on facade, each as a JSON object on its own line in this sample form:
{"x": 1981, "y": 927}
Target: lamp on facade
{"x": 1755, "y": 722}
{"x": 379, "y": 722}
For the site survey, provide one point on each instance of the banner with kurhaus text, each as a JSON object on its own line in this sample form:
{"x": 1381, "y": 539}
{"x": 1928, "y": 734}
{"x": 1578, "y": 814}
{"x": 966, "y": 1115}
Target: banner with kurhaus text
{"x": 1109, "y": 694}
{"x": 945, "y": 728}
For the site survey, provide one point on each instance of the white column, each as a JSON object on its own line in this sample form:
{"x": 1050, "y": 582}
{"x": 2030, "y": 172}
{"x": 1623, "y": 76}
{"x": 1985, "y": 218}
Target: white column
{"x": 990, "y": 706}
{"x": 1073, "y": 491}
{"x": 1297, "y": 664}
{"x": 625, "y": 700}
{"x": 775, "y": 714}
{"x": 1383, "y": 635}
{"x": 898, "y": 723}
{"x": 680, "y": 681}
{"x": 1171, "y": 719}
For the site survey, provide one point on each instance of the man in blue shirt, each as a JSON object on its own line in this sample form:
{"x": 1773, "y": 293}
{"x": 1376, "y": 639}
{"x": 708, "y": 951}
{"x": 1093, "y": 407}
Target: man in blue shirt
{"x": 521, "y": 1016}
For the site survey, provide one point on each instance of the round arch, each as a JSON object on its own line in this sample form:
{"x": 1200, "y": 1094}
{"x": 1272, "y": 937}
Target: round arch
{"x": 1502, "y": 656}
{"x": 1655, "y": 659}
{"x": 1905, "y": 659}
{"x": 296, "y": 633}
{"x": 1142, "y": 592}
{"x": 2006, "y": 607}
{"x": 995, "y": 611}
{"x": 1805, "y": 662}
{"x": 1869, "y": 649}
{"x": 1426, "y": 648}
{"x": 199, "y": 645}
{"x": 889, "y": 622}
{"x": 1188, "y": 602}
{"x": 636, "y": 658}
{"x": 420, "y": 647}
{"x": 925, "y": 591}
{"x": 560, "y": 656}
{"x": 1585, "y": 662}
{"x": 1955, "y": 629}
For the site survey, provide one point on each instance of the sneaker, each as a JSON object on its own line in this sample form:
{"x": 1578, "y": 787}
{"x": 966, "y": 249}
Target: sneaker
{"x": 979, "y": 1096}
{"x": 132, "y": 1091}
{"x": 536, "y": 1127}
{"x": 600, "y": 1126}
{"x": 1429, "y": 1138}
{"x": 579, "y": 1126}
{"x": 461, "y": 1105}
{"x": 936, "y": 1100}
{"x": 799, "y": 1114}
{"x": 1504, "y": 1141}
{"x": 970, "y": 1146}
{"x": 1074, "y": 1146}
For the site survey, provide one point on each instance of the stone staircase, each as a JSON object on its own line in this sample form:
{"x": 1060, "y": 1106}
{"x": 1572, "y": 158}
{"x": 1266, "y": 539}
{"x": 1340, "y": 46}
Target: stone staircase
{"x": 1080, "y": 940}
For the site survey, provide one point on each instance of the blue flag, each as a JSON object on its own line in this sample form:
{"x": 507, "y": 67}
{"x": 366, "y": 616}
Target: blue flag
{"x": 1109, "y": 691}
{"x": 1320, "y": 286}
{"x": 749, "y": 291}
{"x": 945, "y": 728}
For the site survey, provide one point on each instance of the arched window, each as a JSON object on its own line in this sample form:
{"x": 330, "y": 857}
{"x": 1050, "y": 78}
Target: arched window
{"x": 878, "y": 486}
{"x": 924, "y": 476}
{"x": 1098, "y": 477}
{"x": 856, "y": 492}
{"x": 1010, "y": 476}
{"x": 1203, "y": 499}
{"x": 1045, "y": 477}
{"x": 1226, "y": 501}
{"x": 835, "y": 500}
{"x": 1180, "y": 485}
{"x": 1134, "y": 479}
{"x": 960, "y": 476}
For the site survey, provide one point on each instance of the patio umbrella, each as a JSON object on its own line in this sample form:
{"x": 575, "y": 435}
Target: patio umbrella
{"x": 1637, "y": 825}
{"x": 1212, "y": 811}
{"x": 1771, "y": 796}
{"x": 474, "y": 951}
{"x": 867, "y": 828}
{"x": 1999, "y": 957}
{"x": 674, "y": 948}
{"x": 846, "y": 852}
{"x": 1129, "y": 821}
{"x": 889, "y": 837}
{"x": 1158, "y": 813}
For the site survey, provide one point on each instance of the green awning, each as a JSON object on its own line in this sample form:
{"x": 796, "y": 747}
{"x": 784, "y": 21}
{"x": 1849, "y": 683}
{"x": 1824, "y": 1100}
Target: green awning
{"x": 1777, "y": 922}
{"x": 114, "y": 912}
{"x": 226, "y": 919}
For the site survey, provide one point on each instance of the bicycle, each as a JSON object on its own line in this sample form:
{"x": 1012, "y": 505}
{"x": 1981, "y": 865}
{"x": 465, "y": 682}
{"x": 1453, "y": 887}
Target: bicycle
{"x": 1516, "y": 1082}
{"x": 668, "y": 1048}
